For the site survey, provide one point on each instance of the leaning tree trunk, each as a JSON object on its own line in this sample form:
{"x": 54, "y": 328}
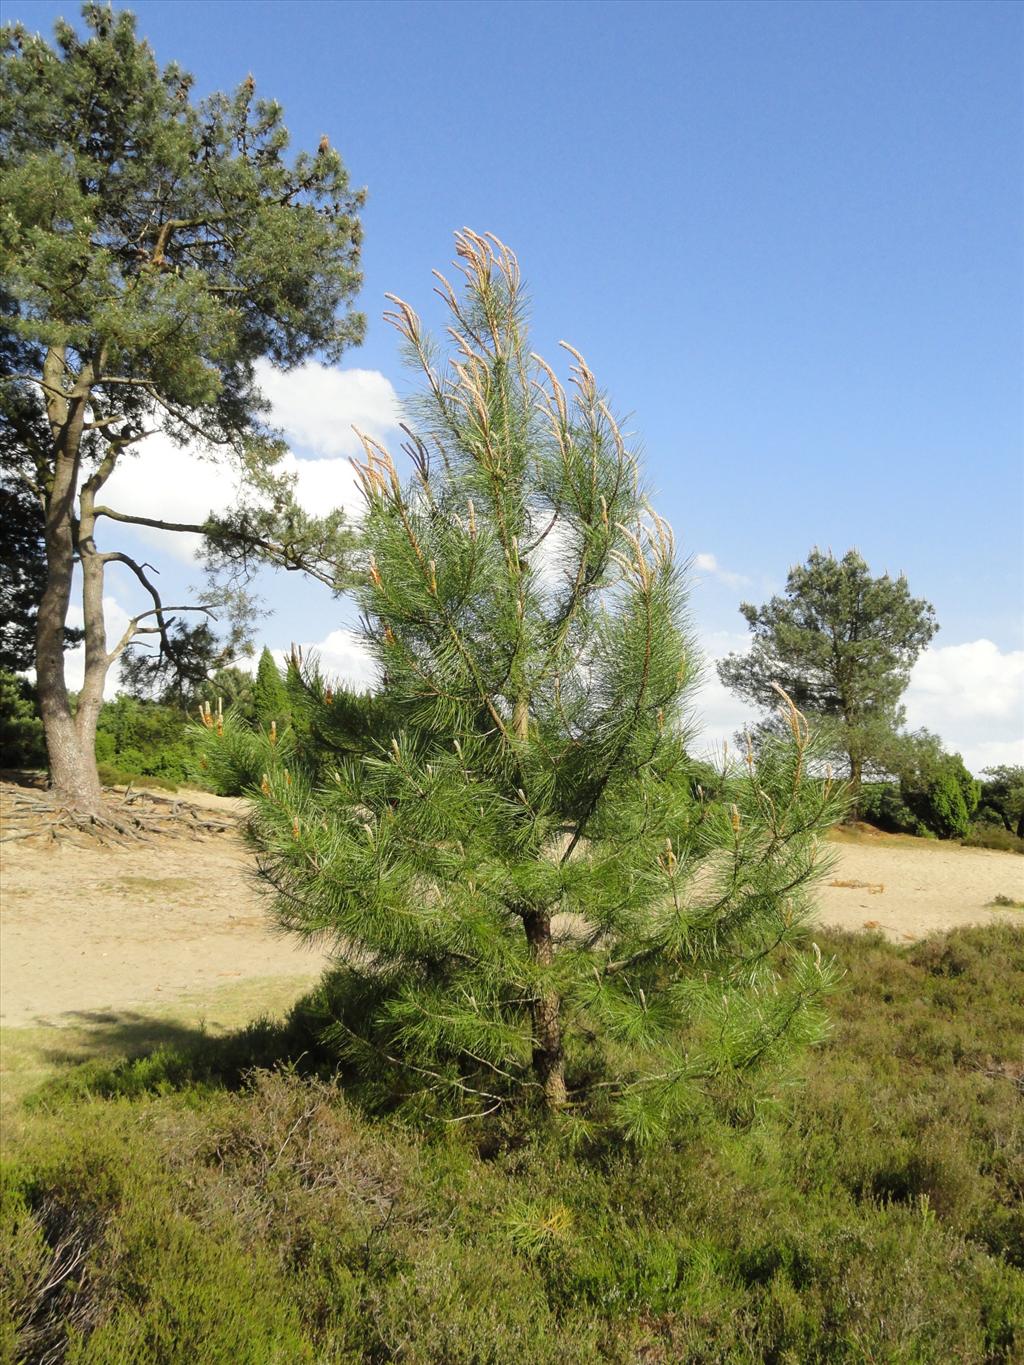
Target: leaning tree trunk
{"x": 548, "y": 1056}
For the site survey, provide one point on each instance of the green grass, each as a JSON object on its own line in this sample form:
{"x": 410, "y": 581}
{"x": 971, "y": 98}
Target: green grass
{"x": 182, "y": 1207}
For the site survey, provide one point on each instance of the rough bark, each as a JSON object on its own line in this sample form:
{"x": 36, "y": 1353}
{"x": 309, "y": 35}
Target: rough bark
{"x": 70, "y": 742}
{"x": 548, "y": 1056}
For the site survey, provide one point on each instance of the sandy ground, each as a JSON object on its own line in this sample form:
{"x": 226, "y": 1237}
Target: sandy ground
{"x": 83, "y": 931}
{"x": 910, "y": 888}
{"x": 87, "y": 930}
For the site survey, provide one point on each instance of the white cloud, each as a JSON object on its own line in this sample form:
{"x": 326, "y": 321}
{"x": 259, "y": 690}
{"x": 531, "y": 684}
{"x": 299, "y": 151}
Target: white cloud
{"x": 551, "y": 557}
{"x": 343, "y": 657}
{"x": 169, "y": 483}
{"x": 717, "y": 714}
{"x": 973, "y": 696}
{"x": 707, "y": 563}
{"x": 316, "y": 406}
{"x": 323, "y": 485}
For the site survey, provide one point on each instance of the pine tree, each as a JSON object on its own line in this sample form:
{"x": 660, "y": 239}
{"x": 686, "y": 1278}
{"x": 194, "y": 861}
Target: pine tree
{"x": 154, "y": 248}
{"x": 530, "y": 888}
{"x": 842, "y": 643}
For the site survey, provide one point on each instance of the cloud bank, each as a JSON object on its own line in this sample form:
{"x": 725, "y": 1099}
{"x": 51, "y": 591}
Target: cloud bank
{"x": 973, "y": 696}
{"x": 315, "y": 406}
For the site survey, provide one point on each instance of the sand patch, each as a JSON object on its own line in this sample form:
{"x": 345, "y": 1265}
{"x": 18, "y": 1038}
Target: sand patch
{"x": 910, "y": 888}
{"x": 102, "y": 929}
{"x": 87, "y": 930}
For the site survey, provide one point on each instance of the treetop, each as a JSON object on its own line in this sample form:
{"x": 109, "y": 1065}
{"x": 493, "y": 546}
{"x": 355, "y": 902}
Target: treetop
{"x": 163, "y": 244}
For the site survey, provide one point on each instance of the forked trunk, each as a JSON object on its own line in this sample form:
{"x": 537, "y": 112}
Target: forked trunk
{"x": 70, "y": 739}
{"x": 548, "y": 1057}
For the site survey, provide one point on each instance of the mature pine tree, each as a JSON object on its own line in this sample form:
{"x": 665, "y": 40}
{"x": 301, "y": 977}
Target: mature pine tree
{"x": 842, "y": 644}
{"x": 153, "y": 248}
{"x": 528, "y": 888}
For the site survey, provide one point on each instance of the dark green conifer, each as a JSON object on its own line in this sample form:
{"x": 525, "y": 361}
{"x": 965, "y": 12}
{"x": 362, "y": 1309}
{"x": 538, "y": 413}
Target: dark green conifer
{"x": 270, "y": 696}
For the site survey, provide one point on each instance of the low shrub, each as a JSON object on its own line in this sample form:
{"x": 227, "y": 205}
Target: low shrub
{"x": 113, "y": 776}
{"x": 223, "y": 1213}
{"x": 993, "y": 836}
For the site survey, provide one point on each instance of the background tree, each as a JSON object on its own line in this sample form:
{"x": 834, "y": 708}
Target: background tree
{"x": 228, "y": 687}
{"x": 22, "y": 564}
{"x": 21, "y": 731}
{"x": 152, "y": 250}
{"x": 270, "y": 696}
{"x": 530, "y": 893}
{"x": 1002, "y": 796}
{"x": 842, "y": 644}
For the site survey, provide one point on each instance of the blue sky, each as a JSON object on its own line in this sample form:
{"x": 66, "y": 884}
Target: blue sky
{"x": 787, "y": 237}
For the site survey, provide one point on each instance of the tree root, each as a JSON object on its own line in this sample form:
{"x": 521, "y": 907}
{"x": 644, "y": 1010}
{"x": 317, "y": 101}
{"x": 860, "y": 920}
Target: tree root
{"x": 124, "y": 820}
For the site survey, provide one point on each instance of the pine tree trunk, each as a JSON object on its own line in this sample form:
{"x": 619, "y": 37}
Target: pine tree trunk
{"x": 70, "y": 740}
{"x": 548, "y": 1058}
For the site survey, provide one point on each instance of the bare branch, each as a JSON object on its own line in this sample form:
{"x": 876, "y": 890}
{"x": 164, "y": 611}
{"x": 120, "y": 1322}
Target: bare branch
{"x": 132, "y": 628}
{"x": 196, "y": 529}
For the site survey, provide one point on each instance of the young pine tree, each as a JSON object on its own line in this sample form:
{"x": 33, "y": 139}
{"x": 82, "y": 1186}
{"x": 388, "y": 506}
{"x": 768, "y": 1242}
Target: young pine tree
{"x": 526, "y": 885}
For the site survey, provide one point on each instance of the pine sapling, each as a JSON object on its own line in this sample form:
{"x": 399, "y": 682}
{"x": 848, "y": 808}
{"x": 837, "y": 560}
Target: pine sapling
{"x": 530, "y": 888}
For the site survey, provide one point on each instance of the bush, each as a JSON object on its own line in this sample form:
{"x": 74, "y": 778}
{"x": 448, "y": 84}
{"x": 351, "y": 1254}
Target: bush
{"x": 145, "y": 740}
{"x": 944, "y": 797}
{"x": 21, "y": 731}
{"x": 993, "y": 836}
{"x": 935, "y": 794}
{"x": 881, "y": 804}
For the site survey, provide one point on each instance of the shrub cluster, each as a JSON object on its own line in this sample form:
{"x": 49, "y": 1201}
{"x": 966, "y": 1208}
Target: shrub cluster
{"x": 143, "y": 739}
{"x": 935, "y": 795}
